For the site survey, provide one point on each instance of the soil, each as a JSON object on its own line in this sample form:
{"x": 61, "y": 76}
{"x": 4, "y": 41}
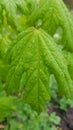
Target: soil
{"x": 66, "y": 118}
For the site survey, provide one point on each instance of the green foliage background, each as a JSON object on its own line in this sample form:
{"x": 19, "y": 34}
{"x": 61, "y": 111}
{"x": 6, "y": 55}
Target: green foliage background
{"x": 36, "y": 41}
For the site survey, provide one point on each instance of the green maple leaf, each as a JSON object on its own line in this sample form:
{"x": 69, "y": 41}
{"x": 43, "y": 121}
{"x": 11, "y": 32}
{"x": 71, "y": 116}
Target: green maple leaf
{"x": 69, "y": 58}
{"x": 14, "y": 8}
{"x": 11, "y": 8}
{"x": 52, "y": 14}
{"x": 33, "y": 58}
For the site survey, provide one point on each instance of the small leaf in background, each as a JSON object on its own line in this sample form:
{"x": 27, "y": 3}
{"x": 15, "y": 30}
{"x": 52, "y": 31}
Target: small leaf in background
{"x": 6, "y": 106}
{"x": 54, "y": 119}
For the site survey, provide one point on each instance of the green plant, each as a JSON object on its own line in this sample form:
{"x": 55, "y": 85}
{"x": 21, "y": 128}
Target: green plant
{"x": 65, "y": 103}
{"x": 27, "y": 119}
{"x": 6, "y": 106}
{"x": 33, "y": 55}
